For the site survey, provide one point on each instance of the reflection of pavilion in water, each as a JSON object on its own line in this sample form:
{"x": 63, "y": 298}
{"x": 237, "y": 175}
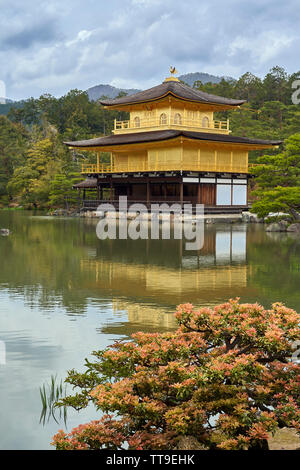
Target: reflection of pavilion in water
{"x": 149, "y": 292}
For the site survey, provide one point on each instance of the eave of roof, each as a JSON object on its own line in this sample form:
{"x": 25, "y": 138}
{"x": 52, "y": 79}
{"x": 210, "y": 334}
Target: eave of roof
{"x": 176, "y": 89}
{"x": 156, "y": 136}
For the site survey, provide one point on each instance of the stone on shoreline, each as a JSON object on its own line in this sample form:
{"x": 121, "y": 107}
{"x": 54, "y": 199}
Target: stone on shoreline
{"x": 277, "y": 226}
{"x": 60, "y": 212}
{"x": 4, "y": 232}
{"x": 248, "y": 217}
{"x": 283, "y": 226}
{"x": 294, "y": 228}
{"x": 64, "y": 213}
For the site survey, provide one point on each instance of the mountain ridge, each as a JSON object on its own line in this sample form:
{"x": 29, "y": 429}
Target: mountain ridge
{"x": 111, "y": 92}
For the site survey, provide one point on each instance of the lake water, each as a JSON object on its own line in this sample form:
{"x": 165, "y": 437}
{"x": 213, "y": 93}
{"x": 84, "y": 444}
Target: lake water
{"x": 64, "y": 293}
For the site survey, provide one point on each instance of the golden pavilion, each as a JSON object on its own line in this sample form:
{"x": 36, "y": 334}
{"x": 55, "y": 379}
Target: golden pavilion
{"x": 171, "y": 149}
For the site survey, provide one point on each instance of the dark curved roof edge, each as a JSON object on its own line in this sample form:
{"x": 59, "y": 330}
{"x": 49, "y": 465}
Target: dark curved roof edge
{"x": 154, "y": 136}
{"x": 175, "y": 88}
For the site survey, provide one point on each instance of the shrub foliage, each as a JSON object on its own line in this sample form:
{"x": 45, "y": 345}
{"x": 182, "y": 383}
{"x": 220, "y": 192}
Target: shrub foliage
{"x": 224, "y": 377}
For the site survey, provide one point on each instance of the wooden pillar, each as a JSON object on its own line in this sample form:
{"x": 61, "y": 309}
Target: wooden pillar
{"x": 199, "y": 193}
{"x": 98, "y": 191}
{"x": 128, "y": 190}
{"x": 110, "y": 189}
{"x": 84, "y": 194}
{"x": 148, "y": 191}
{"x": 181, "y": 192}
{"x": 164, "y": 188}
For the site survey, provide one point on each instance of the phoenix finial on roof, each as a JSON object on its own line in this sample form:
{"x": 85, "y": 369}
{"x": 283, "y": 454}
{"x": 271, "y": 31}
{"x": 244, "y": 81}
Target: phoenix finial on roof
{"x": 173, "y": 70}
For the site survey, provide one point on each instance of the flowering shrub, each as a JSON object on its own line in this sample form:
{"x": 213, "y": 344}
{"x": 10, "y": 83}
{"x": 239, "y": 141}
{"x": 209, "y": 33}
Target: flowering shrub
{"x": 224, "y": 377}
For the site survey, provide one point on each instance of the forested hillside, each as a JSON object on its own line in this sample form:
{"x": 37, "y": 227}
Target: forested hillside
{"x": 269, "y": 112}
{"x": 35, "y": 165}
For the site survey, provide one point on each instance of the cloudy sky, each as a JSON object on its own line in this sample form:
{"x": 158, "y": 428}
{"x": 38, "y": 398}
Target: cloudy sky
{"x": 55, "y": 45}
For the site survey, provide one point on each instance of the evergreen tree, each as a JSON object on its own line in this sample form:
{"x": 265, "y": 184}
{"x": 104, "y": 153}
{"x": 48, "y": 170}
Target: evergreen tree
{"x": 278, "y": 181}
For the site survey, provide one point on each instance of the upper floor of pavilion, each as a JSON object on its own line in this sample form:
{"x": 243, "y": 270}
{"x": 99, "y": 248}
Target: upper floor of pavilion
{"x": 171, "y": 105}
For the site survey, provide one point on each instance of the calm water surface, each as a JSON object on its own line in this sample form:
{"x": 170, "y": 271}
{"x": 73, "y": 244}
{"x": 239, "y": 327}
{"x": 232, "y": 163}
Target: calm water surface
{"x": 64, "y": 293}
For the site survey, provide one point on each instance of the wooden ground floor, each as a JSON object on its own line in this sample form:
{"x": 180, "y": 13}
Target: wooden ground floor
{"x": 229, "y": 190}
